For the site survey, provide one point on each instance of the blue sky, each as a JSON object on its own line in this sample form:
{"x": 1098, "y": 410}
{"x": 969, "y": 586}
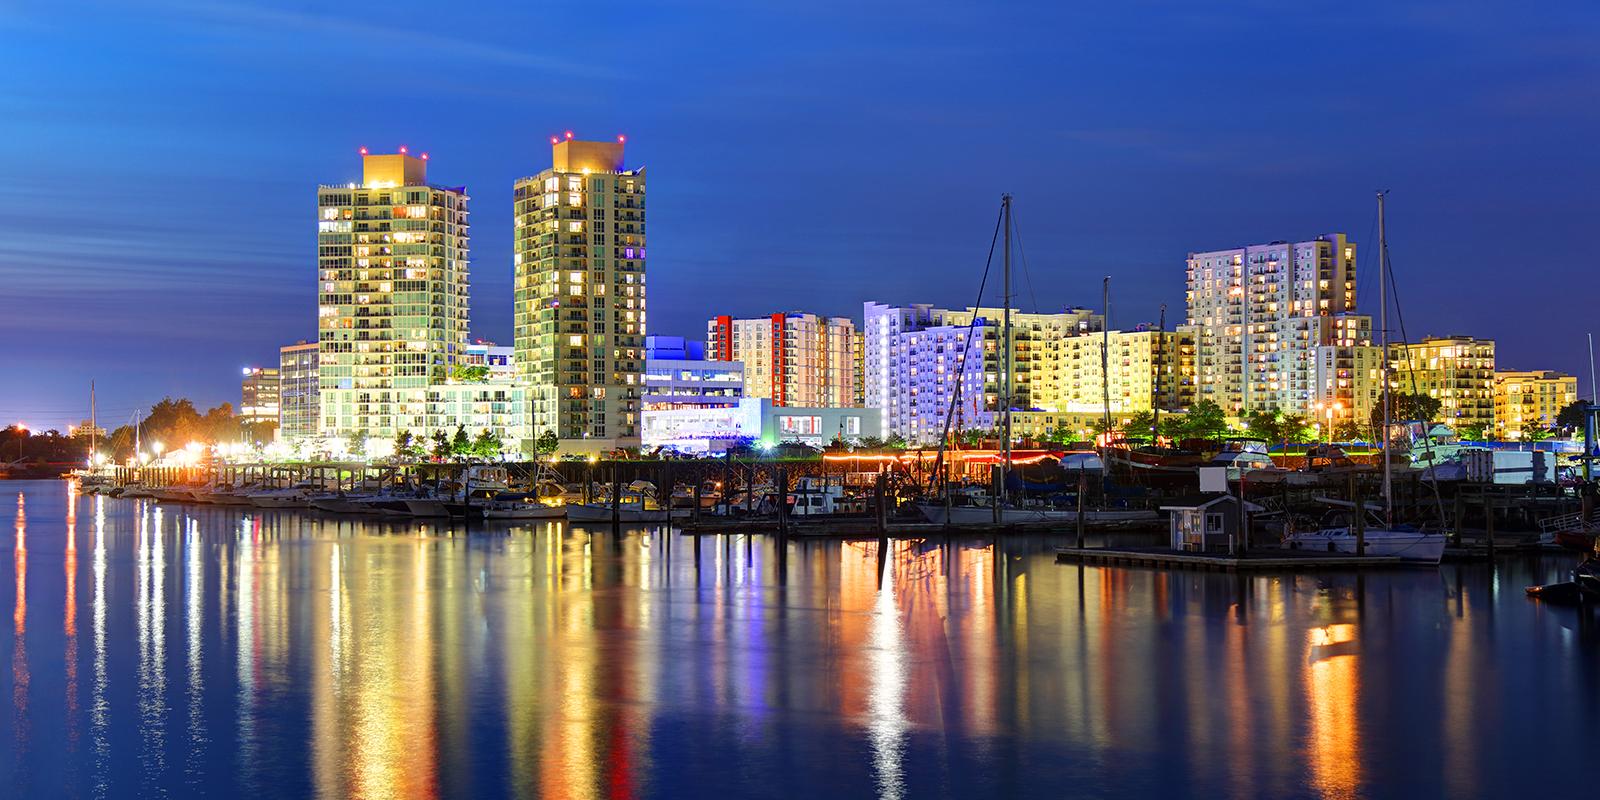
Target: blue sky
{"x": 160, "y": 159}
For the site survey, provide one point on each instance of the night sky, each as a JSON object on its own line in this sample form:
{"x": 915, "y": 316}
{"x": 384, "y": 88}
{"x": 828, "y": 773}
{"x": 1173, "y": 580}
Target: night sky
{"x": 159, "y": 165}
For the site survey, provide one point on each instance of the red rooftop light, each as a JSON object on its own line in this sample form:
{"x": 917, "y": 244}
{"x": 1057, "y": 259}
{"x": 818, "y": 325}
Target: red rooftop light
{"x": 555, "y": 139}
{"x": 621, "y": 138}
{"x": 424, "y": 156}
{"x": 402, "y": 148}
{"x": 363, "y": 151}
{"x": 569, "y": 134}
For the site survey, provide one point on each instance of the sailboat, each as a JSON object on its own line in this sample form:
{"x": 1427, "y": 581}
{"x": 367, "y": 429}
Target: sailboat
{"x": 1387, "y": 538}
{"x": 976, "y": 507}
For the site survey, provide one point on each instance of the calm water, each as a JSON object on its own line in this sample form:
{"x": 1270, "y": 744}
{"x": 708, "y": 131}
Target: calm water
{"x": 165, "y": 650}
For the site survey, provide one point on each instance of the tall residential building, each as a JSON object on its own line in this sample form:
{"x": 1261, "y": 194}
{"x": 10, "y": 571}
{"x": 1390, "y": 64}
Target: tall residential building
{"x": 1530, "y": 398}
{"x": 258, "y": 396}
{"x": 1257, "y": 315}
{"x": 579, "y": 260}
{"x": 1347, "y": 373}
{"x": 298, "y": 402}
{"x": 1456, "y": 370}
{"x": 793, "y": 359}
{"x": 392, "y": 295}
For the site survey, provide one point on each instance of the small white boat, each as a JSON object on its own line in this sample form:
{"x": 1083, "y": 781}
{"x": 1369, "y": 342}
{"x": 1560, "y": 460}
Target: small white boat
{"x": 1407, "y": 544}
{"x": 341, "y": 503}
{"x": 292, "y": 497}
{"x": 522, "y": 509}
{"x": 637, "y": 504}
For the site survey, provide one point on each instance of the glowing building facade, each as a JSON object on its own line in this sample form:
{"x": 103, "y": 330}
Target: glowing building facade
{"x": 1526, "y": 400}
{"x": 792, "y": 359}
{"x": 1458, "y": 371}
{"x": 258, "y": 395}
{"x": 1257, "y": 315}
{"x": 392, "y": 295}
{"x": 298, "y": 392}
{"x": 579, "y": 262}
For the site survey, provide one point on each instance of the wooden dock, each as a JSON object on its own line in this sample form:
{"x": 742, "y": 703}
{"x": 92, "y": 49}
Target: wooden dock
{"x": 1253, "y": 561}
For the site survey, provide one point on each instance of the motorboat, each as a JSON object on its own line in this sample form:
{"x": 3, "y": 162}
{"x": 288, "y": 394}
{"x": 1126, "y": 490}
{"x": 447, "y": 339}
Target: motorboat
{"x": 291, "y": 497}
{"x": 342, "y": 503}
{"x": 521, "y": 506}
{"x": 637, "y": 503}
{"x": 1247, "y": 458}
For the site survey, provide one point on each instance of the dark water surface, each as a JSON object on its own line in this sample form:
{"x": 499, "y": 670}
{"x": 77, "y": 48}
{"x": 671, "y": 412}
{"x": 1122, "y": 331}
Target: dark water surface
{"x": 194, "y": 651}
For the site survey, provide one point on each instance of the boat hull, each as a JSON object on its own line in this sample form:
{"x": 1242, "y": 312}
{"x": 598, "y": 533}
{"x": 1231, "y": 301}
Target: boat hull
{"x": 978, "y": 515}
{"x": 1407, "y": 545}
{"x": 598, "y": 512}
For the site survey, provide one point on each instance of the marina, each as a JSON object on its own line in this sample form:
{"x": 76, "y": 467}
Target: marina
{"x": 193, "y": 635}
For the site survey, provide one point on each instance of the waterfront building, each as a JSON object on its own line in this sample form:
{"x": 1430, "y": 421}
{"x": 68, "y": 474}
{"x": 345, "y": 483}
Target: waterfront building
{"x": 712, "y": 429}
{"x": 258, "y": 396}
{"x": 793, "y": 359}
{"x": 496, "y": 404}
{"x": 579, "y": 267}
{"x": 1257, "y": 315}
{"x": 1456, "y": 370}
{"x": 677, "y": 374}
{"x": 392, "y": 295}
{"x": 913, "y": 354}
{"x": 298, "y": 393}
{"x": 919, "y": 372}
{"x": 1530, "y": 398}
{"x": 1348, "y": 384}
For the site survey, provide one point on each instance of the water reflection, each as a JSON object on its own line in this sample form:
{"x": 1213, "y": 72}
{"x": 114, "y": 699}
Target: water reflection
{"x": 333, "y": 658}
{"x": 20, "y": 676}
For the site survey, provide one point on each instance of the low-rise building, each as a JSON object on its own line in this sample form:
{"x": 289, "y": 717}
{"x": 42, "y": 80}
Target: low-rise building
{"x": 712, "y": 429}
{"x": 1526, "y": 399}
{"x": 678, "y": 375}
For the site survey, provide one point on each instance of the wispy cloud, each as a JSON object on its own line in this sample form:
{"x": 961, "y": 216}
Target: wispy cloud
{"x": 271, "y": 20}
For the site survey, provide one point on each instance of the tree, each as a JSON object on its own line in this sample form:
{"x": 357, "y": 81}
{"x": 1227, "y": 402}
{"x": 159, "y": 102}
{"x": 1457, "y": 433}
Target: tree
{"x": 1100, "y": 426}
{"x": 487, "y": 445}
{"x": 460, "y": 443}
{"x": 1571, "y": 417}
{"x": 1536, "y": 431}
{"x": 407, "y": 445}
{"x": 547, "y": 443}
{"x": 1061, "y": 435}
{"x": 1349, "y": 431}
{"x": 464, "y": 373}
{"x": 1266, "y": 424}
{"x": 356, "y": 443}
{"x": 1296, "y": 429}
{"x": 867, "y": 443}
{"x": 1140, "y": 427}
{"x": 441, "y": 444}
{"x": 1407, "y": 407}
{"x": 1473, "y": 432}
{"x": 1206, "y": 420}
{"x": 896, "y": 442}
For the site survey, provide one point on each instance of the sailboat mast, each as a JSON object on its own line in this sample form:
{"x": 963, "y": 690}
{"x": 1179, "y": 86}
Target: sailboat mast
{"x": 1005, "y": 396}
{"x": 1105, "y": 355}
{"x": 1160, "y": 377}
{"x": 91, "y": 423}
{"x": 1383, "y": 334}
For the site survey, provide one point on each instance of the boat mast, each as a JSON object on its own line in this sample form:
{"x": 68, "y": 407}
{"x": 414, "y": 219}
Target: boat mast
{"x": 1155, "y": 387}
{"x": 1105, "y": 355}
{"x": 1005, "y": 387}
{"x": 1383, "y": 333}
{"x": 91, "y": 423}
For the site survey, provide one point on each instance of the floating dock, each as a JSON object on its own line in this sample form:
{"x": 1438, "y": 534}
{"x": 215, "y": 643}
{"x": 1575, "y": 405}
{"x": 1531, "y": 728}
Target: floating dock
{"x": 1269, "y": 560}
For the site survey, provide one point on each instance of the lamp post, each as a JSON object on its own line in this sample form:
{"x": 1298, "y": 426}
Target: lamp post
{"x": 22, "y": 437}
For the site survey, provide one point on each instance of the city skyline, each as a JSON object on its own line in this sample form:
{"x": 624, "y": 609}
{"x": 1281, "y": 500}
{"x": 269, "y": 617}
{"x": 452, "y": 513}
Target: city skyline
{"x": 1128, "y": 184}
